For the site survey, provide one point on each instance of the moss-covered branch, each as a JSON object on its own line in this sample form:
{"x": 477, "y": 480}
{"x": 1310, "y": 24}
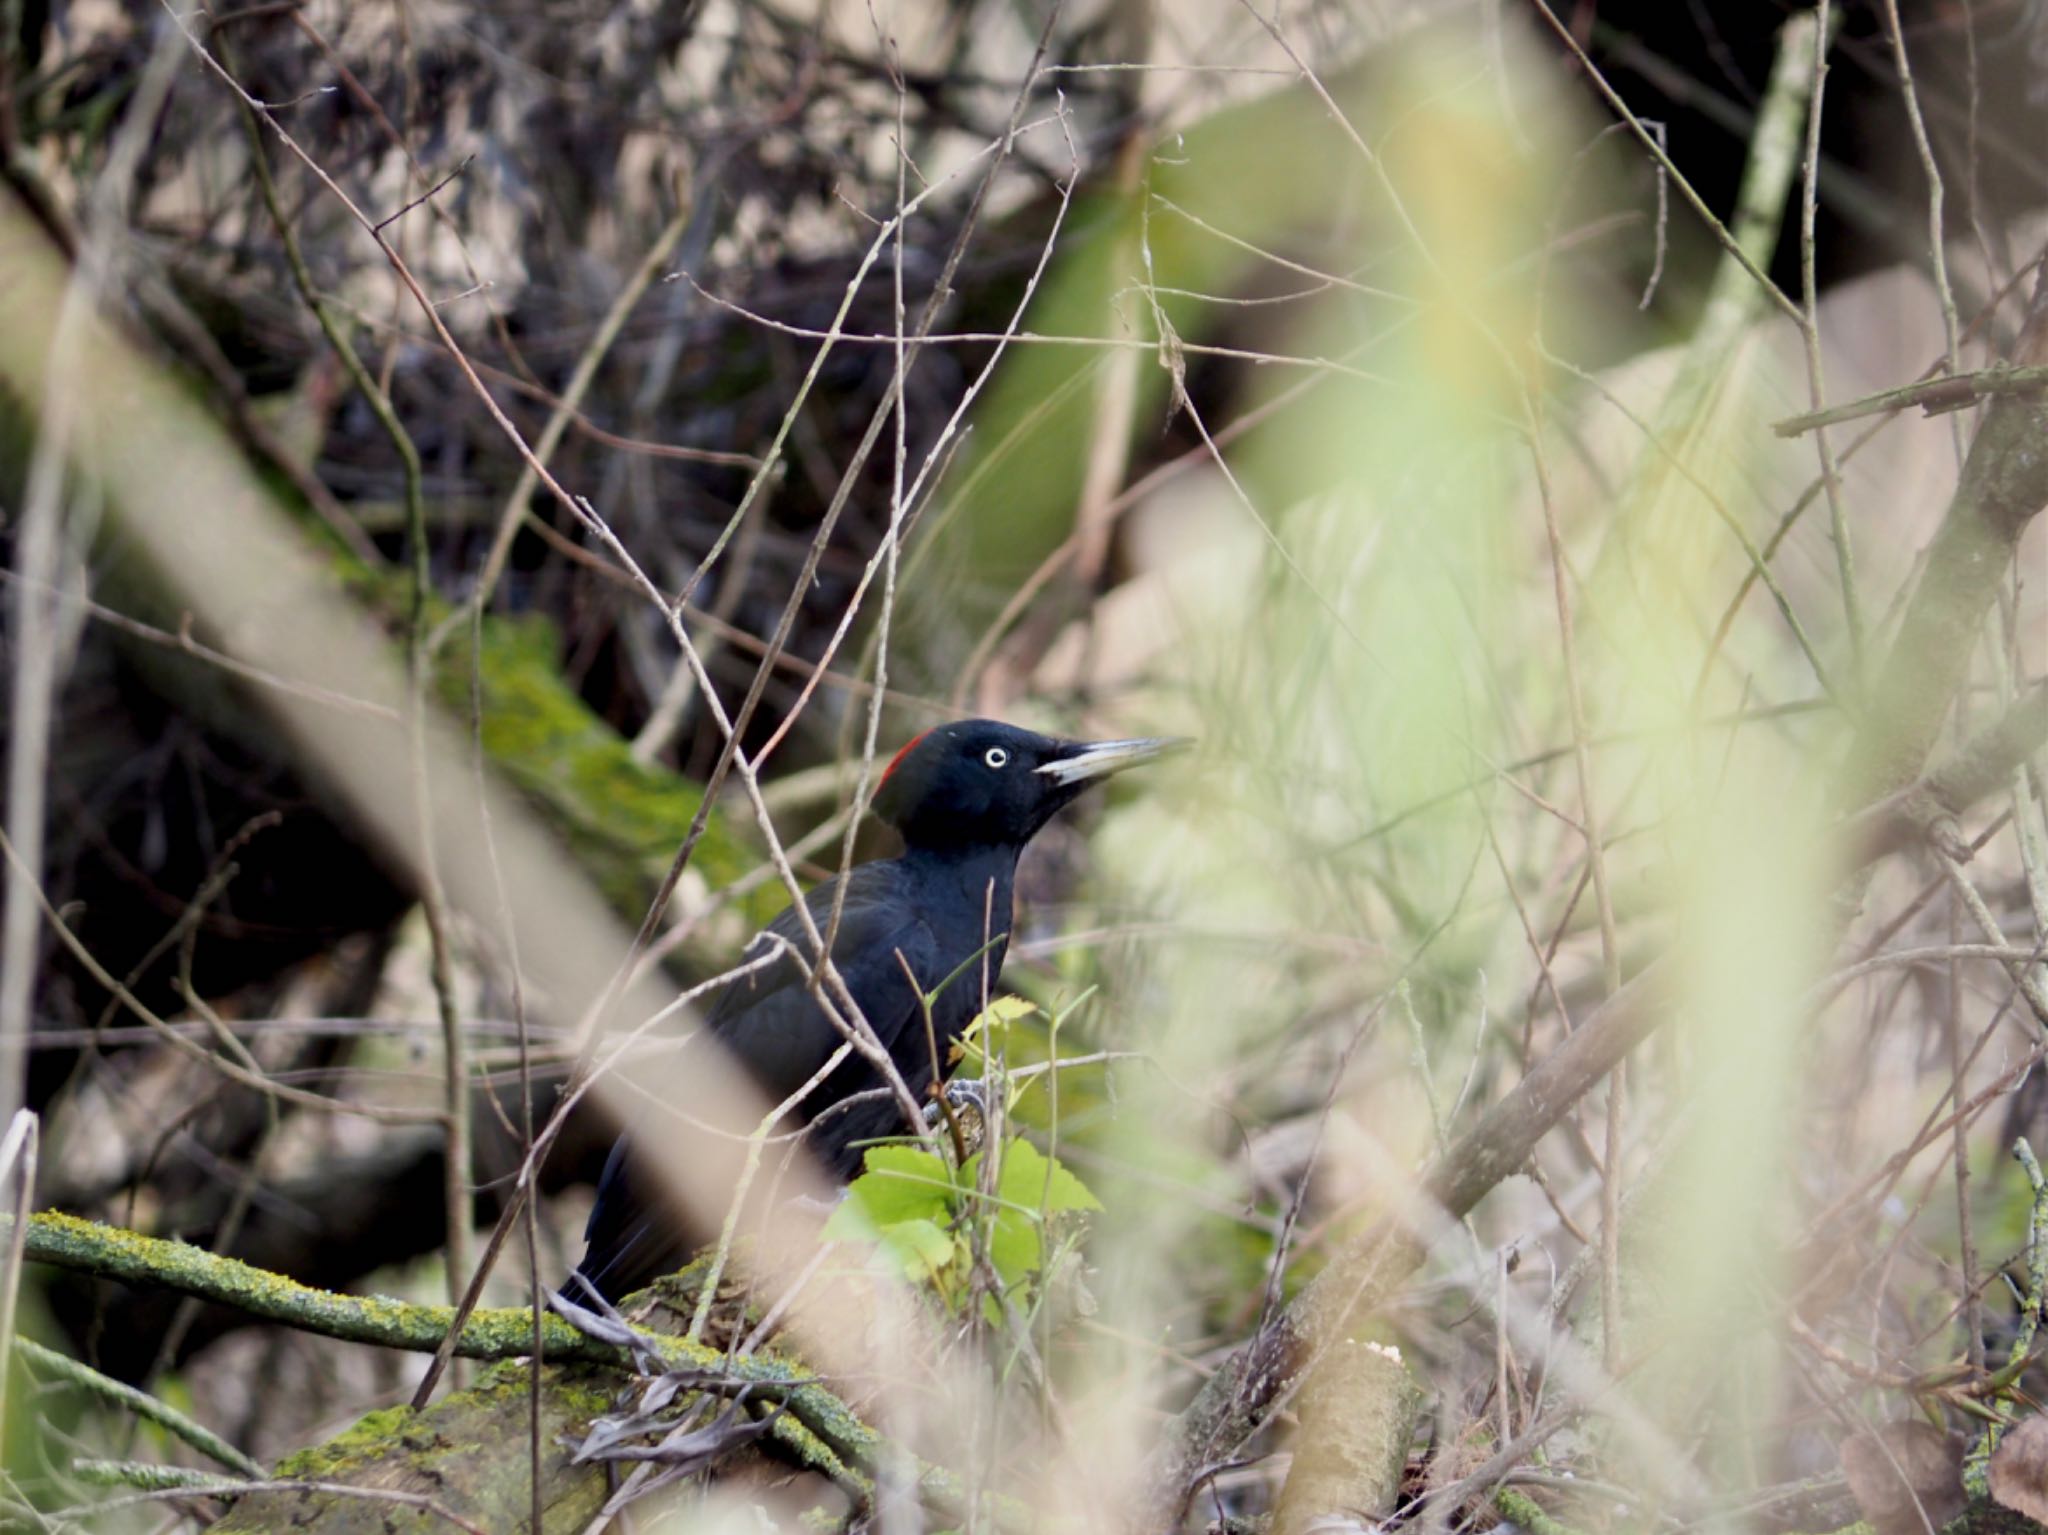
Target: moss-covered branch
{"x": 66, "y": 1241}
{"x": 1519, "y": 1508}
{"x": 494, "y": 1334}
{"x": 470, "y": 1449}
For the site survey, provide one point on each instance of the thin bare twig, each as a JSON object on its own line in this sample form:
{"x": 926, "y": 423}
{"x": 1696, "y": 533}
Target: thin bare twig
{"x": 1809, "y": 329}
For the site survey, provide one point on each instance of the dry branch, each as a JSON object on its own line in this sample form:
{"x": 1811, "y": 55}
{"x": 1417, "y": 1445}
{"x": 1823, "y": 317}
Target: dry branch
{"x": 2004, "y": 485}
{"x": 1934, "y": 396}
{"x": 1927, "y": 808}
{"x": 1239, "y": 1398}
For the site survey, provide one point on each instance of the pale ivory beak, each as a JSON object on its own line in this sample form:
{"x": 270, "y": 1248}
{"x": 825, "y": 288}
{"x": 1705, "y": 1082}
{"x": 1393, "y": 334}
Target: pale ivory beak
{"x": 1098, "y": 759}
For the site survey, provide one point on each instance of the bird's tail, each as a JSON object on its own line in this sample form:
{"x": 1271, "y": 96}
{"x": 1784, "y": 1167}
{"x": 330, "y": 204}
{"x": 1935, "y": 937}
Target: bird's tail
{"x": 630, "y": 1241}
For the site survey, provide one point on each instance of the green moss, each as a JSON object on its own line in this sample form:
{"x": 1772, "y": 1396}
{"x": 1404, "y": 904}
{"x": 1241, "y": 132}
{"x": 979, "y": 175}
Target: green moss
{"x": 373, "y": 1435}
{"x": 807, "y": 1448}
{"x": 584, "y": 1392}
{"x": 623, "y": 818}
{"x": 1521, "y": 1509}
{"x": 820, "y": 1429}
{"x": 580, "y": 1392}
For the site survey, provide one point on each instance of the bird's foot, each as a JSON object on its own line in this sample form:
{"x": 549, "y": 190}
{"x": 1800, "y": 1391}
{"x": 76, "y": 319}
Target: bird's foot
{"x": 968, "y": 1098}
{"x": 964, "y": 1094}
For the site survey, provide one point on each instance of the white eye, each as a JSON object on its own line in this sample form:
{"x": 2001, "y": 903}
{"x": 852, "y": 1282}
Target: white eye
{"x": 996, "y": 757}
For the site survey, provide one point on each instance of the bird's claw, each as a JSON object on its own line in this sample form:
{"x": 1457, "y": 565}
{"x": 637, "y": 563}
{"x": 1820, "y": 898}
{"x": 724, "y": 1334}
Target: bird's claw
{"x": 968, "y": 1099}
{"x": 963, "y": 1093}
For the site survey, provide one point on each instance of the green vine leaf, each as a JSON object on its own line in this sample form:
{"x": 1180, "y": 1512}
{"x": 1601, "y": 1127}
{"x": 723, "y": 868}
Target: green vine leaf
{"x": 902, "y": 1183}
{"x": 915, "y": 1211}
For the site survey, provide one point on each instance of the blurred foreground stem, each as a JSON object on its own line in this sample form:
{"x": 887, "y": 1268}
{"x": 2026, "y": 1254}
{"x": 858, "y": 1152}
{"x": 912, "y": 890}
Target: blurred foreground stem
{"x": 2003, "y": 487}
{"x": 419, "y": 660}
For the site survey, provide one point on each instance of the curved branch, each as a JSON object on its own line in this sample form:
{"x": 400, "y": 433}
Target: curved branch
{"x": 141, "y": 1403}
{"x": 1975, "y": 770}
{"x": 497, "y": 1333}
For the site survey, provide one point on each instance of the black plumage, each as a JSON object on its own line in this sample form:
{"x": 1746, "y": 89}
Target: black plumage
{"x": 966, "y": 799}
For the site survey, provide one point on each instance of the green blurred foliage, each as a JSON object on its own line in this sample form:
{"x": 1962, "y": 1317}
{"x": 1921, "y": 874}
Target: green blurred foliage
{"x": 923, "y": 1217}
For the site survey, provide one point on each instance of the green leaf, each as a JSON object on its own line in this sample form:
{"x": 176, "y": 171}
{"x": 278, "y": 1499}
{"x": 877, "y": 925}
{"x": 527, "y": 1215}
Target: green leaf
{"x": 1002, "y": 1012}
{"x": 902, "y": 1183}
{"x": 998, "y": 1015}
{"x": 1014, "y": 1246}
{"x": 848, "y": 1222}
{"x": 903, "y": 1206}
{"x": 920, "y": 1249}
{"x": 1039, "y": 1182}
{"x": 1031, "y": 1185}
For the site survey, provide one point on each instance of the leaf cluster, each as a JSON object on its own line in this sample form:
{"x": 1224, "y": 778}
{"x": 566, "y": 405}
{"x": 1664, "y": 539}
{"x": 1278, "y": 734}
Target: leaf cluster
{"x": 931, "y": 1221}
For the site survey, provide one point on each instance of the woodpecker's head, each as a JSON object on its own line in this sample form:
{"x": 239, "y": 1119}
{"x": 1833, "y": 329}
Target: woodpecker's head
{"x": 981, "y": 783}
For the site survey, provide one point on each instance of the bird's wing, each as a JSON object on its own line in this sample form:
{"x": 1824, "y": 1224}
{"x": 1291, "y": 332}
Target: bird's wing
{"x": 769, "y": 1020}
{"x": 773, "y": 1024}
